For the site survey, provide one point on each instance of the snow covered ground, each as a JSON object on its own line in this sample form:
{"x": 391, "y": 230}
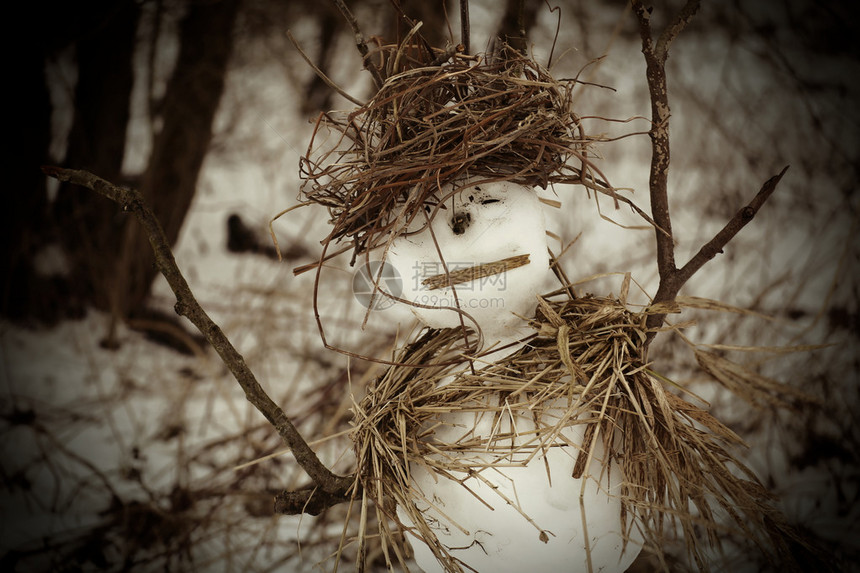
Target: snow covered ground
{"x": 132, "y": 459}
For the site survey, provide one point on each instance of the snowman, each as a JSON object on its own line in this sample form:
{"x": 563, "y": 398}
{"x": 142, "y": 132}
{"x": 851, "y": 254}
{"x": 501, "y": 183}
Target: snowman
{"x": 478, "y": 261}
{"x": 434, "y": 177}
{"x": 518, "y": 431}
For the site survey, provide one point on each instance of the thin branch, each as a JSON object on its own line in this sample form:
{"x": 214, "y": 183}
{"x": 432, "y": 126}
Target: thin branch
{"x": 659, "y": 174}
{"x": 186, "y": 305}
{"x": 310, "y": 501}
{"x": 465, "y": 31}
{"x": 670, "y": 284}
{"x": 682, "y": 18}
{"x": 715, "y": 246}
{"x": 557, "y": 30}
{"x": 672, "y": 278}
{"x": 320, "y": 73}
{"x": 359, "y": 41}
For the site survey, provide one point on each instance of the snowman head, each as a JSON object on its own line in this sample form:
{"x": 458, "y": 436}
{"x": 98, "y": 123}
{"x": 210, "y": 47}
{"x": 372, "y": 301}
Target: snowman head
{"x": 480, "y": 260}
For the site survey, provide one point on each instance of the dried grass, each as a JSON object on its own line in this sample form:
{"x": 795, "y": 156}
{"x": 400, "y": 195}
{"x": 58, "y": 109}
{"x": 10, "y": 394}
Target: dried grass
{"x": 438, "y": 121}
{"x": 378, "y": 167}
{"x": 584, "y": 357}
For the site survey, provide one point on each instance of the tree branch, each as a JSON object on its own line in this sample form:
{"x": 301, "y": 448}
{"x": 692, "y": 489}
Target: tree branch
{"x": 309, "y": 500}
{"x": 672, "y": 278}
{"x": 682, "y": 18}
{"x": 715, "y": 246}
{"x": 186, "y": 305}
{"x": 321, "y": 74}
{"x": 659, "y": 175}
{"x": 465, "y": 28}
{"x": 359, "y": 42}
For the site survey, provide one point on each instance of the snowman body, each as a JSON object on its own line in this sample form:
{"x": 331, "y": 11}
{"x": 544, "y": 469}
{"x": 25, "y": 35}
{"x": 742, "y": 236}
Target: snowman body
{"x": 524, "y": 512}
{"x": 519, "y": 508}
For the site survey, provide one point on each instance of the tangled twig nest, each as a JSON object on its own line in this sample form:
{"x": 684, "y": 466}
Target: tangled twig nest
{"x": 430, "y": 125}
{"x": 583, "y": 366}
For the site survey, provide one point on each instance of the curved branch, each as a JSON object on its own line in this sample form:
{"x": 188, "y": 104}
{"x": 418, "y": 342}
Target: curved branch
{"x": 187, "y": 305}
{"x": 321, "y": 74}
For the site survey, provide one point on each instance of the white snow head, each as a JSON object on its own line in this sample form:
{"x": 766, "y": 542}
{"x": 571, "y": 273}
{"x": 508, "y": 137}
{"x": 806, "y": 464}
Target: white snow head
{"x": 481, "y": 224}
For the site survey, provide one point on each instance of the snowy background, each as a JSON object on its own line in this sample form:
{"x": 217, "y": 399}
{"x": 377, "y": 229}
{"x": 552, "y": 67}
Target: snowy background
{"x": 134, "y": 458}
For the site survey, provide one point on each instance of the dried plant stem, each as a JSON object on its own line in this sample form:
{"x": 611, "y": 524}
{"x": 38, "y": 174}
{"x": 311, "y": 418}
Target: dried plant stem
{"x": 186, "y": 305}
{"x": 583, "y": 366}
{"x": 476, "y": 272}
{"x": 671, "y": 277}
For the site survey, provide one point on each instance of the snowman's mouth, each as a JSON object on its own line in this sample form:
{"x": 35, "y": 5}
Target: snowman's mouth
{"x": 468, "y": 274}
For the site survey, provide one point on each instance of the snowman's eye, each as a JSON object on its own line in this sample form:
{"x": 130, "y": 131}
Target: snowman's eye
{"x": 459, "y": 223}
{"x": 488, "y": 201}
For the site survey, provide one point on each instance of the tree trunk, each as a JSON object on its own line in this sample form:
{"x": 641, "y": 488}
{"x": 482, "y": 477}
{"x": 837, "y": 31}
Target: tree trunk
{"x": 88, "y": 227}
{"x": 24, "y": 212}
{"x": 111, "y": 260}
{"x": 188, "y": 110}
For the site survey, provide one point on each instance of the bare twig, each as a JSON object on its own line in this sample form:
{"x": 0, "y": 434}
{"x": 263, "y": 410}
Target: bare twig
{"x": 186, "y": 305}
{"x": 320, "y": 73}
{"x": 672, "y": 278}
{"x": 735, "y": 224}
{"x": 359, "y": 41}
{"x": 557, "y": 30}
{"x": 661, "y": 50}
{"x": 658, "y": 179}
{"x": 464, "y": 26}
